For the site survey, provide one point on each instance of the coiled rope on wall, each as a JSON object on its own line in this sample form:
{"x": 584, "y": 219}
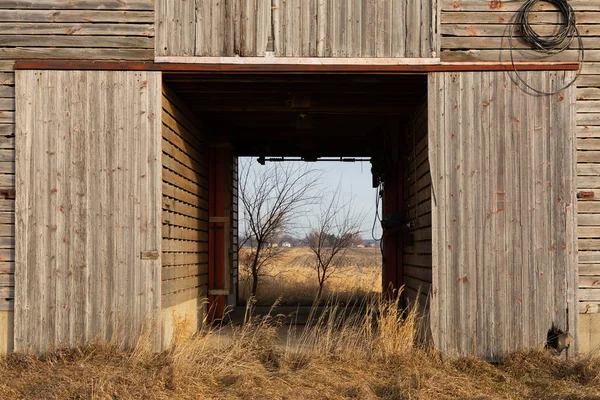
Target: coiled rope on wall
{"x": 548, "y": 45}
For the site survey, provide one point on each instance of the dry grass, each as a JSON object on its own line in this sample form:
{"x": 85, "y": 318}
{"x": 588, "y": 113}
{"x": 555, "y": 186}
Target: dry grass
{"x": 292, "y": 281}
{"x": 369, "y": 355}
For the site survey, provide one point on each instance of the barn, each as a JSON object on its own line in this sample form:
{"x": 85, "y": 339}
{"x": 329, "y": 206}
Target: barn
{"x": 121, "y": 123}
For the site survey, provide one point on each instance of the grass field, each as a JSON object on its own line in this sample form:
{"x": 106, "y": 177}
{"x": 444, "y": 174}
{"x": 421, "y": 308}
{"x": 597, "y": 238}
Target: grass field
{"x": 293, "y": 281}
{"x": 375, "y": 354}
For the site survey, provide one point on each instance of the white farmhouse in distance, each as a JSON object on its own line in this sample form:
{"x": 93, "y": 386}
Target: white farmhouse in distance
{"x": 286, "y": 244}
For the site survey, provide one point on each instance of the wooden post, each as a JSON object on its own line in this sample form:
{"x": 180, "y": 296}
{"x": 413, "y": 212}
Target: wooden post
{"x": 219, "y": 235}
{"x": 392, "y": 204}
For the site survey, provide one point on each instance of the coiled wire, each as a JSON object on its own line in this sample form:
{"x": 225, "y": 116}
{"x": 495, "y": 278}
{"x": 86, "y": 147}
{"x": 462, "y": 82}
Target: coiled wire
{"x": 548, "y": 45}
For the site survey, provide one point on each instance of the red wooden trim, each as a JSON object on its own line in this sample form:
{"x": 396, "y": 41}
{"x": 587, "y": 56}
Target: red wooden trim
{"x": 47, "y": 64}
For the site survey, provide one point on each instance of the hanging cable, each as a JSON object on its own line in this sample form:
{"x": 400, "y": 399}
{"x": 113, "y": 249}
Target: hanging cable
{"x": 548, "y": 45}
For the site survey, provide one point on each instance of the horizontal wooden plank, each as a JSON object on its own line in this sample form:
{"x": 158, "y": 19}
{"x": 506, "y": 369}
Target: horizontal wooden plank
{"x": 519, "y": 55}
{"x": 173, "y": 299}
{"x": 589, "y": 257}
{"x": 7, "y": 230}
{"x": 183, "y": 271}
{"x": 55, "y": 16}
{"x": 501, "y": 42}
{"x": 588, "y": 143}
{"x": 178, "y": 258}
{"x": 176, "y": 232}
{"x": 7, "y": 280}
{"x": 176, "y": 193}
{"x": 176, "y": 285}
{"x": 188, "y": 210}
{"x": 174, "y": 219}
{"x": 589, "y": 269}
{"x": 589, "y": 244}
{"x": 7, "y": 205}
{"x": 587, "y": 156}
{"x": 588, "y": 131}
{"x": 76, "y": 41}
{"x": 147, "y": 5}
{"x": 76, "y": 29}
{"x": 7, "y": 292}
{"x": 588, "y": 220}
{"x": 588, "y": 94}
{"x": 12, "y": 53}
{"x": 504, "y": 6}
{"x": 589, "y": 294}
{"x": 507, "y": 17}
{"x": 7, "y": 142}
{"x": 589, "y": 281}
{"x": 7, "y": 78}
{"x": 588, "y": 232}
{"x": 7, "y": 129}
{"x": 588, "y": 307}
{"x": 588, "y": 119}
{"x": 502, "y": 30}
{"x": 588, "y": 80}
{"x": 172, "y": 245}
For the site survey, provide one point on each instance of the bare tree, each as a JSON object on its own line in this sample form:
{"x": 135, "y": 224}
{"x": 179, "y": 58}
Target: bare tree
{"x": 332, "y": 234}
{"x": 272, "y": 197}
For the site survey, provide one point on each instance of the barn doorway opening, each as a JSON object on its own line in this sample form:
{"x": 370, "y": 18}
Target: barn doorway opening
{"x": 378, "y": 118}
{"x": 309, "y": 232}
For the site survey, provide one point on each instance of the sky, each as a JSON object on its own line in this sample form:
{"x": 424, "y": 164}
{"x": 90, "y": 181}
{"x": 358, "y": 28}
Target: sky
{"x": 355, "y": 183}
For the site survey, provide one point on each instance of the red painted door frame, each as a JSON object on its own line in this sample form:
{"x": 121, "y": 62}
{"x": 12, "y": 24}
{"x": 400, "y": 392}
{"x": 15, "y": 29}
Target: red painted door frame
{"x": 393, "y": 203}
{"x": 219, "y": 188}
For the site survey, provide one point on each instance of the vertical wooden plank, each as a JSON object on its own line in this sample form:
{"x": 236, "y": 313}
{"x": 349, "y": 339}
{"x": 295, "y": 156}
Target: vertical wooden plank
{"x": 368, "y": 28}
{"x": 322, "y": 28}
{"x": 413, "y": 28}
{"x": 398, "y": 39}
{"x": 80, "y": 283}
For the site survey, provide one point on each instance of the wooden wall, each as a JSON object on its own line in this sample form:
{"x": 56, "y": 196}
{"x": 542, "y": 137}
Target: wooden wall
{"x": 503, "y": 212}
{"x": 74, "y": 29}
{"x": 417, "y": 198}
{"x": 184, "y": 203}
{"x": 88, "y": 206}
{"x": 297, "y": 28}
{"x": 474, "y": 31}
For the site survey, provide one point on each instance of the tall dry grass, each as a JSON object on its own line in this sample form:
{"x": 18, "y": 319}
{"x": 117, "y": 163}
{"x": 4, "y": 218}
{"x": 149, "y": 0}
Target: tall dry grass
{"x": 293, "y": 281}
{"x": 370, "y": 352}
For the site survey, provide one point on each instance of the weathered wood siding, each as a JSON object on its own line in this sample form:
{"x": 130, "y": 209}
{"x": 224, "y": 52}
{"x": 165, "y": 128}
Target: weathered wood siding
{"x": 417, "y": 199}
{"x": 7, "y": 184}
{"x": 87, "y": 206}
{"x": 73, "y": 29}
{"x": 588, "y": 182}
{"x": 77, "y": 29}
{"x": 184, "y": 203}
{"x": 297, "y": 28}
{"x": 473, "y": 31}
{"x": 503, "y": 213}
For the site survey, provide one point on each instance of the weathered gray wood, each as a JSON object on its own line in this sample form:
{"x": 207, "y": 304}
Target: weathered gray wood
{"x": 28, "y": 15}
{"x": 184, "y": 203}
{"x": 75, "y": 278}
{"x": 518, "y": 276}
{"x": 311, "y": 28}
{"x": 79, "y": 4}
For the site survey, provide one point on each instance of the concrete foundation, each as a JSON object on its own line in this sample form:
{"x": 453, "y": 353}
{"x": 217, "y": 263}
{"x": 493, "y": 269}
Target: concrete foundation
{"x": 7, "y": 331}
{"x": 589, "y": 333}
{"x": 182, "y": 319}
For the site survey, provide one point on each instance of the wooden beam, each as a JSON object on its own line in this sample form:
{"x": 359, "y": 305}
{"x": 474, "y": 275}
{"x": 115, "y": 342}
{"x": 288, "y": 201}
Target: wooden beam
{"x": 323, "y": 67}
